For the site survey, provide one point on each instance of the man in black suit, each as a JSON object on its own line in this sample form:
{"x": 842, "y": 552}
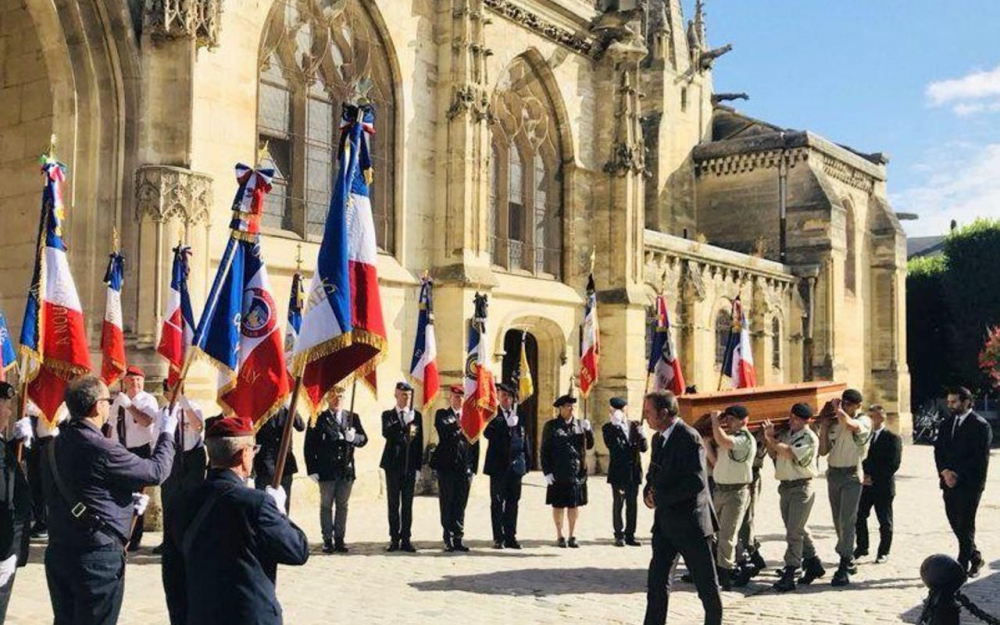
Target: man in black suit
{"x": 235, "y": 536}
{"x": 880, "y": 465}
{"x": 455, "y": 460}
{"x": 962, "y": 455}
{"x": 265, "y": 461}
{"x": 402, "y": 458}
{"x": 684, "y": 521}
{"x": 506, "y": 463}
{"x": 625, "y": 441}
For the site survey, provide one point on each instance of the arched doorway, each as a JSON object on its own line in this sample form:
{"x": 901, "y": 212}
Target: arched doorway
{"x": 528, "y": 410}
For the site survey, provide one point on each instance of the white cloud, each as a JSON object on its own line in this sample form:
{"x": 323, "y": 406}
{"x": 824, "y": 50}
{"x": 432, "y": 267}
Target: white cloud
{"x": 960, "y": 182}
{"x": 976, "y": 92}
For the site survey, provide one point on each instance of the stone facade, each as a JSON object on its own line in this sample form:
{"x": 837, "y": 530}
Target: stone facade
{"x": 517, "y": 140}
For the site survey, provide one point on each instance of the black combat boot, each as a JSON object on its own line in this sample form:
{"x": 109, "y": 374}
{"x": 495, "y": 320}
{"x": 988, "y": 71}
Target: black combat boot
{"x": 787, "y": 581}
{"x": 757, "y": 562}
{"x": 841, "y": 576}
{"x": 459, "y": 546}
{"x": 812, "y": 569}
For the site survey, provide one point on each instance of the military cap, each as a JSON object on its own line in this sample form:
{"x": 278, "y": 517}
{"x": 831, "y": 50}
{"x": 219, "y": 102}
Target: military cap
{"x": 7, "y": 391}
{"x": 802, "y": 411}
{"x": 618, "y": 403}
{"x": 506, "y": 388}
{"x": 231, "y": 427}
{"x": 457, "y": 389}
{"x": 565, "y": 399}
{"x": 851, "y": 395}
{"x": 404, "y": 386}
{"x": 737, "y": 410}
{"x": 133, "y": 370}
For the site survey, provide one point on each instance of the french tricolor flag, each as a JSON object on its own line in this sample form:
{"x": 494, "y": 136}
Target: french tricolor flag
{"x": 53, "y": 335}
{"x": 8, "y": 355}
{"x": 112, "y": 335}
{"x": 480, "y": 388}
{"x": 664, "y": 366}
{"x": 738, "y": 363}
{"x": 178, "y": 322}
{"x": 423, "y": 365}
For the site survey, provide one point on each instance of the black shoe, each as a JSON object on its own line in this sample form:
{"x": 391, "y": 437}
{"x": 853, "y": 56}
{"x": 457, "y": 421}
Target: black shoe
{"x": 851, "y": 566}
{"x": 757, "y": 563}
{"x": 133, "y": 547}
{"x": 459, "y": 546}
{"x": 632, "y": 542}
{"x": 393, "y": 546}
{"x": 882, "y": 558}
{"x": 39, "y": 530}
{"x": 619, "y": 542}
{"x": 860, "y": 553}
{"x": 512, "y": 544}
{"x": 787, "y": 581}
{"x": 448, "y": 547}
{"x": 841, "y": 577}
{"x": 408, "y": 547}
{"x": 725, "y": 579}
{"x": 572, "y": 542}
{"x": 742, "y": 576}
{"x": 812, "y": 569}
{"x": 687, "y": 579}
{"x": 340, "y": 547}
{"x": 975, "y": 566}
{"x": 497, "y": 544}
{"x": 327, "y": 546}
{"x": 158, "y": 550}
{"x": 561, "y": 543}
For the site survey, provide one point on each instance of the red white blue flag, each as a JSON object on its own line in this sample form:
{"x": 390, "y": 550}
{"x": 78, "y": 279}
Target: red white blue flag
{"x": 423, "y": 365}
{"x": 8, "y": 355}
{"x": 343, "y": 332}
{"x": 112, "y": 334}
{"x": 238, "y": 331}
{"x": 53, "y": 335}
{"x": 178, "y": 322}
{"x": 590, "y": 345}
{"x": 738, "y": 362}
{"x": 664, "y": 365}
{"x": 480, "y": 388}
{"x": 295, "y": 302}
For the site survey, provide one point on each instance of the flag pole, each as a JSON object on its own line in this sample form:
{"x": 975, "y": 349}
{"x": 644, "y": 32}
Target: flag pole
{"x": 286, "y": 434}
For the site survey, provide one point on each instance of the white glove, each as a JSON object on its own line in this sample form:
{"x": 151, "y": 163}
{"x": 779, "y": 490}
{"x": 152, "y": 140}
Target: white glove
{"x": 585, "y": 424}
{"x": 314, "y": 477}
{"x": 7, "y": 568}
{"x": 550, "y": 479}
{"x": 23, "y": 432}
{"x": 124, "y": 400}
{"x": 511, "y": 419}
{"x": 408, "y": 417}
{"x": 278, "y": 496}
{"x": 139, "y": 503}
{"x": 169, "y": 421}
{"x": 350, "y": 435}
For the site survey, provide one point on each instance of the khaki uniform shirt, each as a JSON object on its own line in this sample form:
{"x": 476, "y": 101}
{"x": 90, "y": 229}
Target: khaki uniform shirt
{"x": 847, "y": 448}
{"x": 735, "y": 465}
{"x": 802, "y": 465}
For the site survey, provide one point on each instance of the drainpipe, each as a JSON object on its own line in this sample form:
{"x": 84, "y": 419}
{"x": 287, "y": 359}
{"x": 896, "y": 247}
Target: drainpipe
{"x": 783, "y": 202}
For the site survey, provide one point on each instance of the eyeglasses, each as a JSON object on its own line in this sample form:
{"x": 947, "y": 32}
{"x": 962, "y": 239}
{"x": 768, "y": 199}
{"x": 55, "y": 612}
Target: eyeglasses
{"x": 100, "y": 399}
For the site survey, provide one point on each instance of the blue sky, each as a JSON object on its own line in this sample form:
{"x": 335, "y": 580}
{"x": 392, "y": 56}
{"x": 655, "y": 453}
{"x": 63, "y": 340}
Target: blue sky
{"x": 917, "y": 79}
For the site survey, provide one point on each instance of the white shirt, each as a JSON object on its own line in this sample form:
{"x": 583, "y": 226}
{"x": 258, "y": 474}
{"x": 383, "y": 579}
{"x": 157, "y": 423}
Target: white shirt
{"x": 666, "y": 432}
{"x": 876, "y": 433}
{"x": 192, "y": 437}
{"x": 136, "y": 435}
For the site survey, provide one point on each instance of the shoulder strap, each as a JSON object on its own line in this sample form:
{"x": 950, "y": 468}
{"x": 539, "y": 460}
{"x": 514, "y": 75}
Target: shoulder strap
{"x": 199, "y": 519}
{"x": 77, "y": 509}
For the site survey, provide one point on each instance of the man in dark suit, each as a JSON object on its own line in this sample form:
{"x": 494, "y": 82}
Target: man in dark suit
{"x": 625, "y": 441}
{"x": 15, "y": 497}
{"x": 265, "y": 461}
{"x": 402, "y": 458}
{"x": 455, "y": 462}
{"x": 684, "y": 521}
{"x": 234, "y": 536}
{"x": 329, "y": 451}
{"x": 885, "y": 452}
{"x": 962, "y": 455}
{"x": 506, "y": 463}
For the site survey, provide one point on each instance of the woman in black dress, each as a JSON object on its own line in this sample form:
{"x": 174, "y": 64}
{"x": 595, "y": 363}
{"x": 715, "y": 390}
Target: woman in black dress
{"x": 565, "y": 441}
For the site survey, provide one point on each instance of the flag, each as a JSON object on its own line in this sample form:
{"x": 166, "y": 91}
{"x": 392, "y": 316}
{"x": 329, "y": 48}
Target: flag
{"x": 295, "y": 301}
{"x": 8, "y": 357}
{"x": 738, "y": 362}
{"x": 178, "y": 322}
{"x": 590, "y": 348}
{"x": 664, "y": 365}
{"x": 525, "y": 385}
{"x": 343, "y": 332}
{"x": 423, "y": 365}
{"x": 53, "y": 335}
{"x": 112, "y": 334}
{"x": 238, "y": 331}
{"x": 480, "y": 389}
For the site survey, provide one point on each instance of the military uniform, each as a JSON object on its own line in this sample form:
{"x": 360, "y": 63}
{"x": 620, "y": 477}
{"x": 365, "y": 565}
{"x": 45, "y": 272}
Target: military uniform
{"x": 796, "y": 499}
{"x": 507, "y": 459}
{"x": 266, "y": 461}
{"x": 625, "y": 442}
{"x": 748, "y": 537}
{"x": 733, "y": 473}
{"x": 330, "y": 460}
{"x": 563, "y": 455}
{"x": 402, "y": 458}
{"x": 843, "y": 477}
{"x": 455, "y": 462}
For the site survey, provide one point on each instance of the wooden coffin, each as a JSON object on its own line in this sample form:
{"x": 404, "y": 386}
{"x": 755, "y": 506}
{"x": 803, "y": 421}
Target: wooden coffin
{"x": 763, "y": 402}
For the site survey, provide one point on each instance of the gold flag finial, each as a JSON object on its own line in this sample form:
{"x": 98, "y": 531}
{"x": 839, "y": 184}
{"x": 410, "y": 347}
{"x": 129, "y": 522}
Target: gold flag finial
{"x": 263, "y": 153}
{"x": 298, "y": 258}
{"x": 180, "y": 236}
{"x": 115, "y": 242}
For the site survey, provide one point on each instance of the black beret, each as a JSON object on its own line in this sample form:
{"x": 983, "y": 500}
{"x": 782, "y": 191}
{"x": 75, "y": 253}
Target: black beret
{"x": 403, "y": 386}
{"x": 7, "y": 391}
{"x": 737, "y": 410}
{"x": 506, "y": 388}
{"x": 852, "y": 396}
{"x": 802, "y": 411}
{"x": 618, "y": 403}
{"x": 565, "y": 399}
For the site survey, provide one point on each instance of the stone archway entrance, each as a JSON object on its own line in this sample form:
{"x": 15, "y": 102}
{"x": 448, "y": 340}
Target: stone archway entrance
{"x": 512, "y": 345}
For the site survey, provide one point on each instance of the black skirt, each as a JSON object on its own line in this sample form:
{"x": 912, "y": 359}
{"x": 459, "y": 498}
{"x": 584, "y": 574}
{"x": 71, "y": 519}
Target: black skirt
{"x": 570, "y": 494}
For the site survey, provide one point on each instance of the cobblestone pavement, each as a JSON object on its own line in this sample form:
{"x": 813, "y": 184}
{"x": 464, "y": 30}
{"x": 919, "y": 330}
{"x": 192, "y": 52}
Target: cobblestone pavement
{"x": 597, "y": 583}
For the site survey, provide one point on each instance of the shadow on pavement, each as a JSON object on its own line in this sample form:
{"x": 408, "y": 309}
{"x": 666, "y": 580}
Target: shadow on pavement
{"x": 543, "y": 582}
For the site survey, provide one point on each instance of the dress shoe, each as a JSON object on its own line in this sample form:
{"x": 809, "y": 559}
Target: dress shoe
{"x": 512, "y": 544}
{"x": 632, "y": 542}
{"x": 327, "y": 546}
{"x": 158, "y": 550}
{"x": 497, "y": 544}
{"x": 393, "y": 546}
{"x": 561, "y": 543}
{"x": 448, "y": 547}
{"x": 340, "y": 547}
{"x": 408, "y": 547}
{"x": 39, "y": 530}
{"x": 619, "y": 542}
{"x": 860, "y": 553}
{"x": 687, "y": 579}
{"x": 975, "y": 566}
{"x": 572, "y": 542}
{"x": 460, "y": 547}
{"x": 882, "y": 559}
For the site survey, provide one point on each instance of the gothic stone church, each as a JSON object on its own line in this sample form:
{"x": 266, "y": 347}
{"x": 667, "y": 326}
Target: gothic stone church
{"x": 516, "y": 140}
